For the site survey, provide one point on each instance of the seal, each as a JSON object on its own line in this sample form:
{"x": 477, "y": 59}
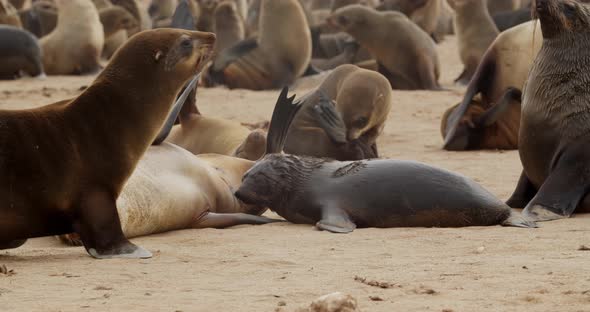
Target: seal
{"x": 279, "y": 54}
{"x": 138, "y": 11}
{"x": 475, "y": 31}
{"x": 341, "y": 196}
{"x": 75, "y": 45}
{"x": 19, "y": 52}
{"x": 343, "y": 117}
{"x": 509, "y": 19}
{"x": 65, "y": 164}
{"x": 9, "y": 14}
{"x": 40, "y": 19}
{"x": 493, "y": 120}
{"x": 228, "y": 26}
{"x": 497, "y": 6}
{"x": 116, "y": 18}
{"x": 553, "y": 138}
{"x": 407, "y": 57}
{"x": 161, "y": 12}
{"x": 206, "y": 19}
{"x": 425, "y": 13}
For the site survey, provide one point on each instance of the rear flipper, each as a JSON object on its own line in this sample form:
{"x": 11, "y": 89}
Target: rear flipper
{"x": 223, "y": 220}
{"x": 564, "y": 188}
{"x": 335, "y": 220}
{"x": 12, "y": 244}
{"x": 518, "y": 220}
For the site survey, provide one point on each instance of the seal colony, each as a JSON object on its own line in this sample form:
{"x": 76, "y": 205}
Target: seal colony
{"x": 64, "y": 170}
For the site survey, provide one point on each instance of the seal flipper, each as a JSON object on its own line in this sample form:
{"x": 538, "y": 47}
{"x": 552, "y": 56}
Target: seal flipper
{"x": 518, "y": 220}
{"x": 98, "y": 224}
{"x": 335, "y": 220}
{"x": 565, "y": 187}
{"x": 330, "y": 120}
{"x": 282, "y": 116}
{"x": 223, "y": 220}
{"x": 492, "y": 115}
{"x": 233, "y": 53}
{"x": 524, "y": 192}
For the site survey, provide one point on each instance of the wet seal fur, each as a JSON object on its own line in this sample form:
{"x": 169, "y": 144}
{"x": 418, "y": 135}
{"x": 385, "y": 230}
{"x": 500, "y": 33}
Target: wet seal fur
{"x": 553, "y": 140}
{"x": 341, "y": 196}
{"x": 407, "y": 57}
{"x": 492, "y": 119}
{"x": 19, "y": 52}
{"x": 343, "y": 117}
{"x": 65, "y": 164}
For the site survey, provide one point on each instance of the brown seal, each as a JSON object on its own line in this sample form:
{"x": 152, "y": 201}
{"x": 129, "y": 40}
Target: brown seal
{"x": 341, "y": 196}
{"x": 475, "y": 31}
{"x": 75, "y": 45}
{"x": 493, "y": 120}
{"x": 138, "y": 11}
{"x": 228, "y": 26}
{"x": 276, "y": 57}
{"x": 553, "y": 140}
{"x": 9, "y": 15}
{"x": 65, "y": 164}
{"x": 345, "y": 122}
{"x": 425, "y": 13}
{"x": 407, "y": 57}
{"x": 19, "y": 53}
{"x": 115, "y": 19}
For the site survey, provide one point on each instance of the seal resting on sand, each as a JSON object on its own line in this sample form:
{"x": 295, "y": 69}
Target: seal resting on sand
{"x": 64, "y": 164}
{"x": 340, "y": 196}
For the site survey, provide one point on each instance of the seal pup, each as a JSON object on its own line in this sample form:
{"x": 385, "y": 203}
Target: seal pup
{"x": 277, "y": 56}
{"x": 553, "y": 138}
{"x": 407, "y": 57}
{"x": 75, "y": 45}
{"x": 341, "y": 196}
{"x": 346, "y": 126}
{"x": 228, "y": 26}
{"x": 19, "y": 53}
{"x": 65, "y": 164}
{"x": 9, "y": 14}
{"x": 475, "y": 32}
{"x": 498, "y": 81}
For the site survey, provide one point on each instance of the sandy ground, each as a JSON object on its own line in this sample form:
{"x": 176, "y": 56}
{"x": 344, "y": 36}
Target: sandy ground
{"x": 283, "y": 266}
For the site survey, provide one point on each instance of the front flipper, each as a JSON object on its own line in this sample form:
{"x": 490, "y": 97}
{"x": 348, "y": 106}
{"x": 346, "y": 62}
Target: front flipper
{"x": 564, "y": 188}
{"x": 524, "y": 192}
{"x": 335, "y": 220}
{"x": 223, "y": 220}
{"x": 330, "y": 120}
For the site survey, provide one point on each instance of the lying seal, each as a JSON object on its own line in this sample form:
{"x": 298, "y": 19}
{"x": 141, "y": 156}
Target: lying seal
{"x": 493, "y": 120}
{"x": 407, "y": 57}
{"x": 475, "y": 31}
{"x": 345, "y": 123}
{"x": 75, "y": 45}
{"x": 554, "y": 128}
{"x": 277, "y": 56}
{"x": 19, "y": 52}
{"x": 64, "y": 164}
{"x": 340, "y": 196}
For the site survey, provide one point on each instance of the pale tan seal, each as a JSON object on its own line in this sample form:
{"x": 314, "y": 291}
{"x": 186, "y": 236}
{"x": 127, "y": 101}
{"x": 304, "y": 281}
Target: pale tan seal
{"x": 228, "y": 26}
{"x": 9, "y": 14}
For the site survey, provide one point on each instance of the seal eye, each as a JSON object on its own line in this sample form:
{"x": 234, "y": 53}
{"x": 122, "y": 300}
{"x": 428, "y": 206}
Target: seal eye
{"x": 186, "y": 44}
{"x": 361, "y": 122}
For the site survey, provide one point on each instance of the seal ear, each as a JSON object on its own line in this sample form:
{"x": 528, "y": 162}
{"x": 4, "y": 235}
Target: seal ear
{"x": 169, "y": 123}
{"x": 182, "y": 18}
{"x": 282, "y": 116}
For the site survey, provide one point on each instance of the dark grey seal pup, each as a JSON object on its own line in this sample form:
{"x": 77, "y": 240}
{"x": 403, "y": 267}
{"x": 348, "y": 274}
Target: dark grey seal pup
{"x": 554, "y": 138}
{"x": 19, "y": 53}
{"x": 341, "y": 196}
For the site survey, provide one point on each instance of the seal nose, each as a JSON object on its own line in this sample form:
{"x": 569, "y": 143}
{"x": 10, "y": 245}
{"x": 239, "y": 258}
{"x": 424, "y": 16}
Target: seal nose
{"x": 205, "y": 37}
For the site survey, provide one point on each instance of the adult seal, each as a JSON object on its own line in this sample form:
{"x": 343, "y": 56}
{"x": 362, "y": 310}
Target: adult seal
{"x": 554, "y": 126}
{"x": 65, "y": 164}
{"x": 19, "y": 53}
{"x": 341, "y": 196}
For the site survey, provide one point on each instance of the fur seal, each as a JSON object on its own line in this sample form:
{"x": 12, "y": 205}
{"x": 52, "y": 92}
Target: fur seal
{"x": 553, "y": 138}
{"x": 40, "y": 19}
{"x": 115, "y": 19}
{"x": 19, "y": 52}
{"x": 341, "y": 196}
{"x": 161, "y": 12}
{"x": 206, "y": 19}
{"x": 138, "y": 11}
{"x": 277, "y": 56}
{"x": 509, "y": 19}
{"x": 9, "y": 14}
{"x": 228, "y": 26}
{"x": 407, "y": 57}
{"x": 424, "y": 13}
{"x": 493, "y": 120}
{"x": 345, "y": 125}
{"x": 475, "y": 32}
{"x": 65, "y": 164}
{"x": 75, "y": 45}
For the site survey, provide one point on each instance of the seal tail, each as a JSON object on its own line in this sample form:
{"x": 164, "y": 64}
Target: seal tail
{"x": 282, "y": 116}
{"x": 518, "y": 220}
